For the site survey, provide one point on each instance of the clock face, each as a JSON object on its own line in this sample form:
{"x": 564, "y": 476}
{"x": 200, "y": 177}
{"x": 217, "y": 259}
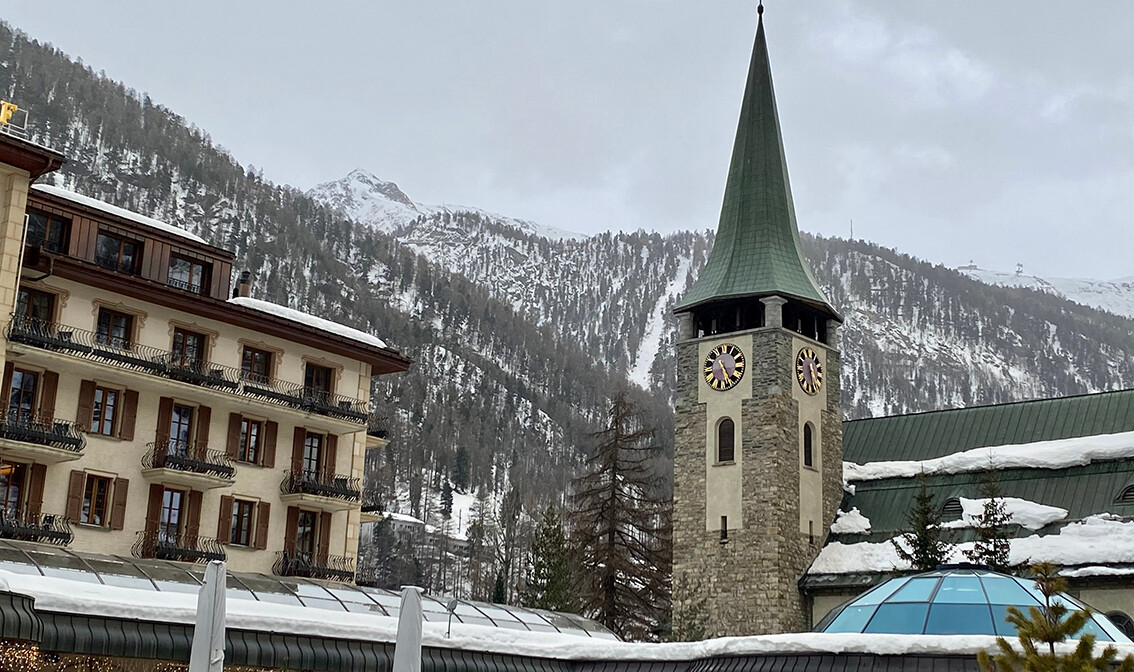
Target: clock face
{"x": 724, "y": 367}
{"x": 809, "y": 371}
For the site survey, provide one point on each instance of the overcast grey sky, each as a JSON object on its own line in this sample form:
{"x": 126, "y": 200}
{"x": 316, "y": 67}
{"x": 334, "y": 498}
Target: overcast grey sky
{"x": 1001, "y": 132}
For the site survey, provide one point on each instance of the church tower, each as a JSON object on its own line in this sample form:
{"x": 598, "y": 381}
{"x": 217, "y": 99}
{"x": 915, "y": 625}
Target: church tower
{"x": 758, "y": 445}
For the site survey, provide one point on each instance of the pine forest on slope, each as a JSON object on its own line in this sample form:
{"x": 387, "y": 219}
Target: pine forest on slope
{"x": 520, "y": 332}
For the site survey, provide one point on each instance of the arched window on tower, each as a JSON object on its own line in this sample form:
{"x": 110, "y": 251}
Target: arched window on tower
{"x": 808, "y": 451}
{"x": 726, "y": 441}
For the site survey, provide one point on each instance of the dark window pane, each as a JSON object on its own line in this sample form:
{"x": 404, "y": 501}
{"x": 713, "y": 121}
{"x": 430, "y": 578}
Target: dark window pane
{"x": 899, "y": 619}
{"x": 726, "y": 437}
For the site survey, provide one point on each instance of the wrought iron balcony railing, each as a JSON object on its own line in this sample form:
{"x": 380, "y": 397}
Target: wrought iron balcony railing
{"x": 186, "y": 285}
{"x": 120, "y": 352}
{"x": 19, "y": 425}
{"x": 378, "y": 426}
{"x": 116, "y": 264}
{"x": 180, "y": 547}
{"x": 321, "y": 483}
{"x": 45, "y": 528}
{"x": 314, "y": 566}
{"x": 51, "y": 244}
{"x": 190, "y": 457}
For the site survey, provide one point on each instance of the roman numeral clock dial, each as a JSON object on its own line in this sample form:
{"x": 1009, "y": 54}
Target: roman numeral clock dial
{"x": 724, "y": 367}
{"x": 809, "y": 371}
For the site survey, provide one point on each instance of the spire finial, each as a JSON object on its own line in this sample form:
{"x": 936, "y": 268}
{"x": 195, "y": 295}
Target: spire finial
{"x": 760, "y": 9}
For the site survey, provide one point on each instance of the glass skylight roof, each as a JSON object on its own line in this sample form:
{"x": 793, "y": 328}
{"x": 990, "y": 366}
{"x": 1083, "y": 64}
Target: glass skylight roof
{"x": 952, "y": 601}
{"x": 161, "y": 575}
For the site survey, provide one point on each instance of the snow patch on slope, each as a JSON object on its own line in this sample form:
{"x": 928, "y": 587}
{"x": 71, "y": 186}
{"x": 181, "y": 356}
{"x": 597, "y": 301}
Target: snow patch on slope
{"x": 652, "y": 336}
{"x": 1116, "y": 296}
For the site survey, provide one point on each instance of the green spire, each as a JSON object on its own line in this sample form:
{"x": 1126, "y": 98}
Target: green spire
{"x": 757, "y": 250}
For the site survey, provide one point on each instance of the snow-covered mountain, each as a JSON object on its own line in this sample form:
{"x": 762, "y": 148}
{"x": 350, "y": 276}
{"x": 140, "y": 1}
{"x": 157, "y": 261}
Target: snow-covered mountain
{"x": 1115, "y": 296}
{"x": 382, "y": 205}
{"x": 917, "y": 336}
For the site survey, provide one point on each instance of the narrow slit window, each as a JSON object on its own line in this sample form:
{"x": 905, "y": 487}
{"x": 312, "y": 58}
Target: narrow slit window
{"x": 724, "y": 528}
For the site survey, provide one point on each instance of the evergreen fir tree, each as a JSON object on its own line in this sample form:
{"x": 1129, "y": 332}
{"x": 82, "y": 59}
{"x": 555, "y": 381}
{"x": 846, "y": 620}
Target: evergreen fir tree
{"x": 461, "y": 470}
{"x": 446, "y": 500}
{"x": 992, "y": 545}
{"x": 498, "y": 595}
{"x": 922, "y": 545}
{"x": 548, "y": 583}
{"x": 1045, "y": 627}
{"x": 619, "y": 527}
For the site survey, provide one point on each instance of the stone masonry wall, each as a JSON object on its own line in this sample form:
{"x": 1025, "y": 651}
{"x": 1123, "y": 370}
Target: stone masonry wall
{"x": 750, "y": 584}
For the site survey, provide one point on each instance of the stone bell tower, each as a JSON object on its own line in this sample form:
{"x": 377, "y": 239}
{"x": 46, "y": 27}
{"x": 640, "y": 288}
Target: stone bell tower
{"x": 758, "y": 445}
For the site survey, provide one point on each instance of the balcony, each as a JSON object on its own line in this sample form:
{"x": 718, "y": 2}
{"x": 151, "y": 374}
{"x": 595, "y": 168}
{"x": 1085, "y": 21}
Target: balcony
{"x": 188, "y": 464}
{"x": 47, "y": 528}
{"x": 314, "y": 566}
{"x": 165, "y": 364}
{"x": 115, "y": 264}
{"x": 42, "y": 438}
{"x": 178, "y": 547}
{"x": 185, "y": 285}
{"x": 377, "y": 431}
{"x": 323, "y": 491}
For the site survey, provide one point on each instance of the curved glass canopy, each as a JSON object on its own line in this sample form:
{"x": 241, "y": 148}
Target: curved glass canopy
{"x": 161, "y": 575}
{"x": 952, "y": 601}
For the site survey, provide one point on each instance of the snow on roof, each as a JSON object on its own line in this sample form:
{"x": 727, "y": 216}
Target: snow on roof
{"x": 403, "y": 518}
{"x": 79, "y": 597}
{"x": 850, "y": 522}
{"x": 1023, "y": 512}
{"x": 1096, "y": 540}
{"x": 96, "y": 204}
{"x": 1056, "y": 454}
{"x": 308, "y": 320}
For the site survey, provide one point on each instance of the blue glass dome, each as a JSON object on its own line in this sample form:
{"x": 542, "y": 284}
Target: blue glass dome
{"x": 951, "y": 601}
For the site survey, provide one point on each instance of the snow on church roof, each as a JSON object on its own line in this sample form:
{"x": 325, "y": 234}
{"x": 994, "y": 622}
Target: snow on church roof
{"x": 309, "y": 320}
{"x": 103, "y": 206}
{"x": 1056, "y": 454}
{"x": 1096, "y": 540}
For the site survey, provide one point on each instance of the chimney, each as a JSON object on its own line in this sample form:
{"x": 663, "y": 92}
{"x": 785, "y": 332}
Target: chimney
{"x": 244, "y": 285}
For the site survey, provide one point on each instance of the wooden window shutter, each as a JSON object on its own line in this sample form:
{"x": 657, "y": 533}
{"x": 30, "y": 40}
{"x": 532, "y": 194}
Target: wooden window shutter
{"x": 164, "y": 415}
{"x": 193, "y": 516}
{"x": 224, "y": 523}
{"x": 297, "y": 449}
{"x": 129, "y": 415}
{"x": 263, "y": 518}
{"x": 47, "y": 396}
{"x": 75, "y": 495}
{"x": 330, "y": 455}
{"x": 35, "y": 490}
{"x": 86, "y": 405}
{"x": 232, "y": 446}
{"x": 118, "y": 507}
{"x": 271, "y": 431}
{"x": 291, "y": 529}
{"x": 324, "y": 535}
{"x": 153, "y": 509}
{"x": 7, "y": 391}
{"x": 204, "y": 419}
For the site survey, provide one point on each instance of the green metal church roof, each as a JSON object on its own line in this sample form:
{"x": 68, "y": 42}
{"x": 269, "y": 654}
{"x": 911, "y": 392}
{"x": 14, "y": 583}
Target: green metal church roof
{"x": 925, "y": 436}
{"x": 757, "y": 250}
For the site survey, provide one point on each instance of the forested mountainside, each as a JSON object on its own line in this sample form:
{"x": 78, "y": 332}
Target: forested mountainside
{"x": 917, "y": 336}
{"x": 488, "y": 383}
{"x": 520, "y": 332}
